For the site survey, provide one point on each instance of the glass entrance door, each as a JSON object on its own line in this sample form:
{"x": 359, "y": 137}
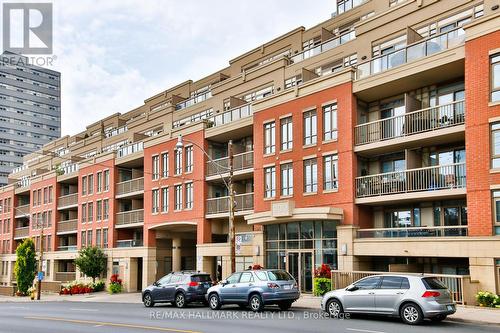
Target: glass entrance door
{"x": 300, "y": 266}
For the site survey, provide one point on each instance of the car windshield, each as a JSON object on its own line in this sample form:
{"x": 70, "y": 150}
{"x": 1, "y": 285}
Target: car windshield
{"x": 433, "y": 283}
{"x": 279, "y": 276}
{"x": 201, "y": 278}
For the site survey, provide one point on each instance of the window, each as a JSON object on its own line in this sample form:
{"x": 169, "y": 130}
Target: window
{"x": 105, "y": 209}
{"x": 84, "y": 185}
{"x": 45, "y": 195}
{"x": 156, "y": 167}
{"x": 106, "y": 180}
{"x": 164, "y": 199}
{"x": 495, "y": 77}
{"x": 105, "y": 238}
{"x": 84, "y": 213}
{"x": 155, "y": 201}
{"x": 99, "y": 182}
{"x": 495, "y": 145}
{"x": 164, "y": 165}
{"x": 345, "y": 5}
{"x": 246, "y": 277}
{"x": 286, "y": 179}
{"x": 98, "y": 238}
{"x": 178, "y": 162}
{"x": 189, "y": 158}
{"x": 270, "y": 182}
{"x": 392, "y": 282}
{"x": 189, "y": 195}
{"x": 310, "y": 176}
{"x": 496, "y": 206}
{"x": 99, "y": 210}
{"x": 269, "y": 138}
{"x": 89, "y": 237}
{"x": 368, "y": 283}
{"x": 310, "y": 128}
{"x": 286, "y": 133}
{"x": 84, "y": 238}
{"x": 91, "y": 184}
{"x": 90, "y": 207}
{"x": 330, "y": 175}
{"x": 330, "y": 122}
{"x": 50, "y": 194}
{"x": 233, "y": 278}
{"x": 178, "y": 197}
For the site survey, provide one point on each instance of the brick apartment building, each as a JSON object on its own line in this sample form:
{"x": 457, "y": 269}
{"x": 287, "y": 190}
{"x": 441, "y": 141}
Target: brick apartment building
{"x": 369, "y": 142}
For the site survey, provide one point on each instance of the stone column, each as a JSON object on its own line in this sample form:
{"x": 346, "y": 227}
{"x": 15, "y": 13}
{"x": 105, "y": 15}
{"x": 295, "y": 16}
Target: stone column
{"x": 149, "y": 268}
{"x": 345, "y": 255}
{"x": 176, "y": 254}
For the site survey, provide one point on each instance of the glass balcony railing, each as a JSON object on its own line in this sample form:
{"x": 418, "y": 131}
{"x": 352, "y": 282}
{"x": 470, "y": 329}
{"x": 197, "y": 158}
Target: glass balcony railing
{"x": 129, "y": 243}
{"x": 415, "y": 51}
{"x": 193, "y": 100}
{"x": 130, "y": 149}
{"x": 423, "y": 231}
{"x": 231, "y": 115}
{"x": 325, "y": 46}
{"x": 67, "y": 248}
{"x": 440, "y": 177}
{"x": 425, "y": 120}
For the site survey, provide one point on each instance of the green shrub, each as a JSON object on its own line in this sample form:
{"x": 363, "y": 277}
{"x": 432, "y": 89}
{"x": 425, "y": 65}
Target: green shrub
{"x": 486, "y": 298}
{"x": 25, "y": 268}
{"x": 115, "y": 288}
{"x": 98, "y": 285}
{"x": 321, "y": 286}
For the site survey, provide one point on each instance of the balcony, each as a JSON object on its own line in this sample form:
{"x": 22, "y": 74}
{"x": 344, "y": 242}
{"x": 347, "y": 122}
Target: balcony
{"x": 424, "y": 231}
{"x": 68, "y": 168}
{"x": 244, "y": 202}
{"x": 66, "y": 248}
{"x": 231, "y": 115}
{"x": 67, "y": 201}
{"x": 412, "y": 52}
{"x": 193, "y": 100}
{"x": 132, "y": 217}
{"x": 22, "y": 211}
{"x": 67, "y": 227}
{"x": 130, "y": 187}
{"x": 323, "y": 47}
{"x": 21, "y": 232}
{"x": 65, "y": 276}
{"x": 411, "y": 123}
{"x": 129, "y": 243}
{"x": 130, "y": 149}
{"x": 428, "y": 179}
{"x": 242, "y": 161}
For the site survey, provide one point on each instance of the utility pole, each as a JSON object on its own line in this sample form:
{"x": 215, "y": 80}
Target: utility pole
{"x": 232, "y": 235}
{"x": 39, "y": 285}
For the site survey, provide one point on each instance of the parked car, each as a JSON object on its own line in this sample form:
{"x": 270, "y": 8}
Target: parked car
{"x": 179, "y": 288}
{"x": 411, "y": 297}
{"x": 255, "y": 288}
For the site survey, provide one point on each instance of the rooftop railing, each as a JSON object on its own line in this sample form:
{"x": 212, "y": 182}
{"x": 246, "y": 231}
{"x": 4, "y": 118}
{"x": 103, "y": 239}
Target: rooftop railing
{"x": 231, "y": 115}
{"x": 193, "y": 100}
{"x": 412, "y": 52}
{"x": 130, "y": 149}
{"x": 325, "y": 46}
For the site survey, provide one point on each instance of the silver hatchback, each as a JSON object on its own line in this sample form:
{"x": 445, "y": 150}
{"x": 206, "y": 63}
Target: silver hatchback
{"x": 411, "y": 297}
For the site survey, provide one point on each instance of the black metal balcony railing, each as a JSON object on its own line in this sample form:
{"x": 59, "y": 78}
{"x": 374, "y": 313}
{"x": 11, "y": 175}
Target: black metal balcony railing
{"x": 415, "y": 51}
{"x": 241, "y": 161}
{"x": 221, "y": 205}
{"x": 424, "y": 120}
{"x": 424, "y": 231}
{"x": 413, "y": 180}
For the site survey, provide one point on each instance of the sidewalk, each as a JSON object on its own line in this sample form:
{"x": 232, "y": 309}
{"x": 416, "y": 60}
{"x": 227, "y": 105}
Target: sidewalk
{"x": 470, "y": 314}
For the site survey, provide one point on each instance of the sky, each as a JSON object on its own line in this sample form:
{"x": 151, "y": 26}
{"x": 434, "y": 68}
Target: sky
{"x": 113, "y": 54}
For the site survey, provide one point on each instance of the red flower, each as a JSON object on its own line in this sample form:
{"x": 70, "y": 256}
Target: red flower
{"x": 324, "y": 271}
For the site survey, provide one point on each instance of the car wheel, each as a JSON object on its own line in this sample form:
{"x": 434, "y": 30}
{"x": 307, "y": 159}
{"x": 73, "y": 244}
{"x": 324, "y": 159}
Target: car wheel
{"x": 285, "y": 305}
{"x": 256, "y": 303}
{"x": 438, "y": 318}
{"x": 411, "y": 314}
{"x": 180, "y": 300}
{"x": 148, "y": 300}
{"x": 334, "y": 308}
{"x": 214, "y": 302}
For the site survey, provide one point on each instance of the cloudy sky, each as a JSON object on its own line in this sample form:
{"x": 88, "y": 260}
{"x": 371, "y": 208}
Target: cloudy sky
{"x": 113, "y": 54}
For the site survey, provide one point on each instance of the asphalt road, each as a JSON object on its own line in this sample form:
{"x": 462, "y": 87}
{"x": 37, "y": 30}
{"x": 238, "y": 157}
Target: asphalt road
{"x": 54, "y": 317}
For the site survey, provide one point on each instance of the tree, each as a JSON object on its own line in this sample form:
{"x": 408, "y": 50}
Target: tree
{"x": 25, "y": 268}
{"x": 91, "y": 261}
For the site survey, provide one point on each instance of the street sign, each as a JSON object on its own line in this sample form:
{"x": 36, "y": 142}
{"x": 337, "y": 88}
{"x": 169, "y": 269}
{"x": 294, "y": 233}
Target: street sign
{"x": 40, "y": 276}
{"x": 238, "y": 249}
{"x": 239, "y": 239}
{"x": 44, "y": 265}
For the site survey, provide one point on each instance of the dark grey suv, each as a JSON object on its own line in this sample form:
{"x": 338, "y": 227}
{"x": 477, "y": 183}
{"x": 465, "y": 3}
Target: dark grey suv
{"x": 178, "y": 288}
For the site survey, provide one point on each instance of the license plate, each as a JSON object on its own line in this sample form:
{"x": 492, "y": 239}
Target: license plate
{"x": 287, "y": 287}
{"x": 450, "y": 307}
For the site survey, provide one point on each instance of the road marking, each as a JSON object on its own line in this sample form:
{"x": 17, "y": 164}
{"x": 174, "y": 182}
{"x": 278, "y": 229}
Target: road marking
{"x": 80, "y": 309}
{"x": 18, "y": 307}
{"x": 365, "y": 331}
{"x": 103, "y": 323}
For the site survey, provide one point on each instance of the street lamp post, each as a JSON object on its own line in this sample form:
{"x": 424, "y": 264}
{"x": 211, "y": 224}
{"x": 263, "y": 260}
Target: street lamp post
{"x": 229, "y": 186}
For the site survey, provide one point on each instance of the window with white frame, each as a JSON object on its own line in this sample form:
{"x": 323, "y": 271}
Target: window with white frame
{"x": 178, "y": 161}
{"x": 106, "y": 180}
{"x": 105, "y": 209}
{"x": 164, "y": 165}
{"x": 156, "y": 166}
{"x": 178, "y": 197}
{"x": 286, "y": 133}
{"x": 189, "y": 158}
{"x": 270, "y": 182}
{"x": 164, "y": 199}
{"x": 99, "y": 210}
{"x": 310, "y": 127}
{"x": 91, "y": 184}
{"x": 330, "y": 175}
{"x": 330, "y": 122}
{"x": 99, "y": 182}
{"x": 495, "y": 77}
{"x": 286, "y": 179}
{"x": 189, "y": 195}
{"x": 310, "y": 175}
{"x": 269, "y": 137}
{"x": 496, "y": 207}
{"x": 155, "y": 201}
{"x": 84, "y": 185}
{"x": 495, "y": 145}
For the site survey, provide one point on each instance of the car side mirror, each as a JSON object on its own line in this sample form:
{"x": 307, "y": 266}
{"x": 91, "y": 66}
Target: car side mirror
{"x": 352, "y": 288}
{"x": 156, "y": 284}
{"x": 223, "y": 282}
